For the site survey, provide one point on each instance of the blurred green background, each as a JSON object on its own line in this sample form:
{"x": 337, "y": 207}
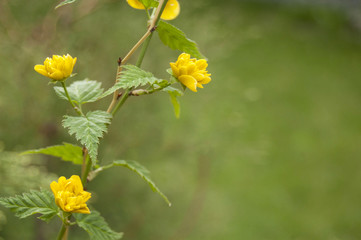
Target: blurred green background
{"x": 270, "y": 149}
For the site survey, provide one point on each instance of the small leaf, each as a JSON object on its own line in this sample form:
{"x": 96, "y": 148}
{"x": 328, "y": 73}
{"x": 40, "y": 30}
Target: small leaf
{"x": 149, "y": 3}
{"x": 96, "y": 226}
{"x": 132, "y": 77}
{"x": 88, "y": 130}
{"x": 81, "y": 92}
{"x": 111, "y": 90}
{"x": 176, "y": 39}
{"x": 67, "y": 152}
{"x": 174, "y": 93}
{"x": 34, "y": 202}
{"x": 65, "y": 2}
{"x": 143, "y": 173}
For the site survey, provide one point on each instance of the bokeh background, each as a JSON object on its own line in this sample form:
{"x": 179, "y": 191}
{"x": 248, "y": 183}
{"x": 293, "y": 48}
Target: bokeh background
{"x": 270, "y": 149}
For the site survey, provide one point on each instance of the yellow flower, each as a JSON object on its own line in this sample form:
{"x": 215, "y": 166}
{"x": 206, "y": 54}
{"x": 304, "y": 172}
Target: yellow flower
{"x": 171, "y": 10}
{"x": 191, "y": 72}
{"x": 70, "y": 195}
{"x": 57, "y": 68}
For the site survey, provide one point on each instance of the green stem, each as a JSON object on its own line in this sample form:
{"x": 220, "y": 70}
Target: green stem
{"x": 100, "y": 169}
{"x": 144, "y": 50}
{"x": 139, "y": 92}
{"x": 121, "y": 101}
{"x": 138, "y": 64}
{"x": 69, "y": 99}
{"x": 148, "y": 15}
{"x": 62, "y": 231}
{"x": 139, "y": 61}
{"x": 84, "y": 177}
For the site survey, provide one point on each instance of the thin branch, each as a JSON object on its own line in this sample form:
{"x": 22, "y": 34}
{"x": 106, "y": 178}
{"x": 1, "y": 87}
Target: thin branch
{"x": 153, "y": 21}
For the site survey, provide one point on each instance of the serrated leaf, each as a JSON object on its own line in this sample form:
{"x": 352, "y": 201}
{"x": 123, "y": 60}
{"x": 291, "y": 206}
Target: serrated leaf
{"x": 149, "y": 3}
{"x": 132, "y": 77}
{"x": 174, "y": 38}
{"x": 88, "y": 129}
{"x": 174, "y": 93}
{"x": 143, "y": 173}
{"x": 67, "y": 152}
{"x": 111, "y": 90}
{"x": 65, "y": 2}
{"x": 81, "y": 92}
{"x": 96, "y": 226}
{"x": 34, "y": 202}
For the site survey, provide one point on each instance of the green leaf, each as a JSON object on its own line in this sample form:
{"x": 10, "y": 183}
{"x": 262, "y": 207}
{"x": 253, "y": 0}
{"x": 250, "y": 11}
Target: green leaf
{"x": 111, "y": 90}
{"x": 143, "y": 173}
{"x": 172, "y": 78}
{"x": 149, "y": 3}
{"x": 96, "y": 226}
{"x": 132, "y": 77}
{"x": 88, "y": 129}
{"x": 65, "y": 2}
{"x": 176, "y": 39}
{"x": 81, "y": 92}
{"x": 67, "y": 152}
{"x": 174, "y": 93}
{"x": 32, "y": 203}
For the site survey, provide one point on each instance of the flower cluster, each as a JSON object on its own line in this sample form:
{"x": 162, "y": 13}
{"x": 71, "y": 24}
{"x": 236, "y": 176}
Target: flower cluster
{"x": 191, "y": 72}
{"x": 70, "y": 195}
{"x": 171, "y": 10}
{"x": 57, "y": 68}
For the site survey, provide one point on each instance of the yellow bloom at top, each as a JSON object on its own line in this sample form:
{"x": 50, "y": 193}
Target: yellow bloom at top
{"x": 70, "y": 195}
{"x": 57, "y": 68}
{"x": 191, "y": 72}
{"x": 171, "y": 10}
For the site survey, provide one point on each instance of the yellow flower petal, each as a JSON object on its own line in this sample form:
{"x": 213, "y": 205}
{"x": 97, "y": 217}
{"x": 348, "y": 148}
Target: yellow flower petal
{"x": 202, "y": 64}
{"x": 174, "y": 69}
{"x": 54, "y": 187}
{"x": 189, "y": 81}
{"x": 41, "y": 69}
{"x": 183, "y": 70}
{"x": 83, "y": 210}
{"x": 135, "y": 4}
{"x": 57, "y": 75}
{"x": 190, "y": 68}
{"x": 205, "y": 80}
{"x": 198, "y": 76}
{"x": 171, "y": 10}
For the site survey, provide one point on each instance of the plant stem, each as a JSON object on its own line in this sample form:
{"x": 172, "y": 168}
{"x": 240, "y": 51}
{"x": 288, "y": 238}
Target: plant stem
{"x": 69, "y": 99}
{"x": 139, "y": 62}
{"x": 84, "y": 177}
{"x": 85, "y": 168}
{"x": 139, "y": 92}
{"x": 119, "y": 69}
{"x": 144, "y": 50}
{"x": 146, "y": 39}
{"x": 61, "y": 234}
